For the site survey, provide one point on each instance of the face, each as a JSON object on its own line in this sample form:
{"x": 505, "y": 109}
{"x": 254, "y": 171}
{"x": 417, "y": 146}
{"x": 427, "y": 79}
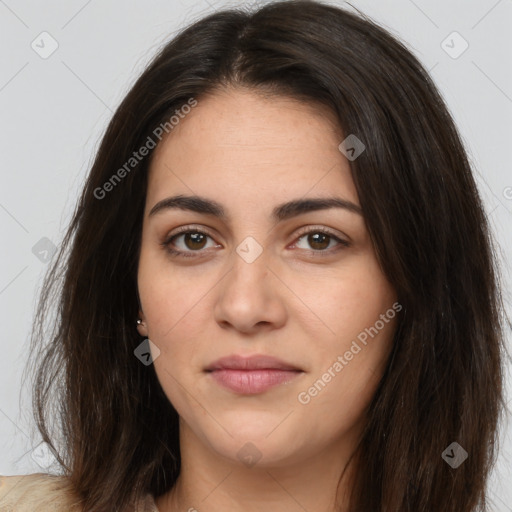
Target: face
{"x": 300, "y": 284}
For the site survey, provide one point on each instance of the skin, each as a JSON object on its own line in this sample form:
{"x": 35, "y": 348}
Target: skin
{"x": 250, "y": 153}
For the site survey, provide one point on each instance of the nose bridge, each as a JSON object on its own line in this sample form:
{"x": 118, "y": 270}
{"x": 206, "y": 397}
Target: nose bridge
{"x": 250, "y": 250}
{"x": 248, "y": 297}
{"x": 250, "y": 261}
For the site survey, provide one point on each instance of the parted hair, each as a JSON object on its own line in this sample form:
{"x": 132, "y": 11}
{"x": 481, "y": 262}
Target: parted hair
{"x": 105, "y": 415}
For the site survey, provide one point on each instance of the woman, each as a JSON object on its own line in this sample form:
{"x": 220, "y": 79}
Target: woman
{"x": 280, "y": 292}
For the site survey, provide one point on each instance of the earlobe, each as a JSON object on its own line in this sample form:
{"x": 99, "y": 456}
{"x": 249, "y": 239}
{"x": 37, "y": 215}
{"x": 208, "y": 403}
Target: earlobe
{"x": 141, "y": 325}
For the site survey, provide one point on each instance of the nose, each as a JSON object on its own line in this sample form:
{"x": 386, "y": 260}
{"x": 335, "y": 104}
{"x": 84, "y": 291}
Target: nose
{"x": 250, "y": 297}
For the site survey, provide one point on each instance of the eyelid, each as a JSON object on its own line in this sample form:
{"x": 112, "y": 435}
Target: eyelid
{"x": 166, "y": 244}
{"x": 314, "y": 228}
{"x": 302, "y": 231}
{"x": 187, "y": 228}
{"x": 341, "y": 239}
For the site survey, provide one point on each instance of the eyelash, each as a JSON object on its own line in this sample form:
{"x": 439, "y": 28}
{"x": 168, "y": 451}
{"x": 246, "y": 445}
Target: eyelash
{"x": 166, "y": 244}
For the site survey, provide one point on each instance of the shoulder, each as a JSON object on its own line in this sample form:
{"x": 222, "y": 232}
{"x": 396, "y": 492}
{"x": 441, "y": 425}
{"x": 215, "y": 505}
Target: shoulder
{"x": 41, "y": 492}
{"x": 37, "y": 492}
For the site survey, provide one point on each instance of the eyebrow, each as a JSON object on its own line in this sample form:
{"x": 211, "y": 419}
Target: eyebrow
{"x": 279, "y": 213}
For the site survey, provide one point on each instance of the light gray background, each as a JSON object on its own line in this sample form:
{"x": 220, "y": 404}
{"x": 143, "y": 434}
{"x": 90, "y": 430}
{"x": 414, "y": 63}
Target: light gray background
{"x": 54, "y": 112}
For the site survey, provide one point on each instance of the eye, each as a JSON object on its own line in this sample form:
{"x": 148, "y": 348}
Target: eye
{"x": 187, "y": 242}
{"x": 320, "y": 239}
{"x": 190, "y": 242}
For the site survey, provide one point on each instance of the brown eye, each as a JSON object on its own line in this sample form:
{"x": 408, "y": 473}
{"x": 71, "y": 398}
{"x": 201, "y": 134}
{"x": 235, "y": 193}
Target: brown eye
{"x": 188, "y": 243}
{"x": 195, "y": 240}
{"x": 319, "y": 240}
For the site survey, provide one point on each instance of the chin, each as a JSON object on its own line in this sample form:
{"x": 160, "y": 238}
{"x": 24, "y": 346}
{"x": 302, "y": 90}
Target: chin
{"x": 265, "y": 445}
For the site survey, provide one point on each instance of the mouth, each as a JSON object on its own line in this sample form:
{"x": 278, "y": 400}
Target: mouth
{"x": 252, "y": 375}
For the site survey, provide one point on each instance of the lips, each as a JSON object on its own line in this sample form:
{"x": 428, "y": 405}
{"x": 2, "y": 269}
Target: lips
{"x": 251, "y": 375}
{"x": 256, "y": 362}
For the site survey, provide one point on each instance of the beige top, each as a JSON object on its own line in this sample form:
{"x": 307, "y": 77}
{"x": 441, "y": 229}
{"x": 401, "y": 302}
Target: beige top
{"x": 41, "y": 492}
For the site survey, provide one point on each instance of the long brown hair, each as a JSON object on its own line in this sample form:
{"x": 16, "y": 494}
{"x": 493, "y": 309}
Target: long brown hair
{"x": 443, "y": 382}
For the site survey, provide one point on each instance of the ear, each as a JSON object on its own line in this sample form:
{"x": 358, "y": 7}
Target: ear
{"x": 142, "y": 327}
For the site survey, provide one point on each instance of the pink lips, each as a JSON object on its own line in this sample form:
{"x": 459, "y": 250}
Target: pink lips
{"x": 251, "y": 375}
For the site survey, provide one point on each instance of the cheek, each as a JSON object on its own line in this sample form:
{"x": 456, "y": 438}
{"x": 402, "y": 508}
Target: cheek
{"x": 350, "y": 358}
{"x": 175, "y": 313}
{"x": 347, "y": 380}
{"x": 177, "y": 306}
{"x": 345, "y": 301}
{"x": 169, "y": 296}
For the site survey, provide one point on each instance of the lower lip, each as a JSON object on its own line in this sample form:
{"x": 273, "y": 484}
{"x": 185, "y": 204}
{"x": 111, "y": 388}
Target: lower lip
{"x": 250, "y": 382}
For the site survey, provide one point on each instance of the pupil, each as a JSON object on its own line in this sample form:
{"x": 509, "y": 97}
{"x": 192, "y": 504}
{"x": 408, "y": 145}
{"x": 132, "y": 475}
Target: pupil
{"x": 316, "y": 243}
{"x": 193, "y": 240}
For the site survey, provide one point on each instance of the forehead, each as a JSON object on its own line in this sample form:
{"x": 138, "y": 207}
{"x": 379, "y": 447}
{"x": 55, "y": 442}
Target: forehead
{"x": 240, "y": 143}
{"x": 252, "y": 119}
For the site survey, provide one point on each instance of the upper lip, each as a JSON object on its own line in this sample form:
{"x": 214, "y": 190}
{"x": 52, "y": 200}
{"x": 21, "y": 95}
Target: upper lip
{"x": 256, "y": 362}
